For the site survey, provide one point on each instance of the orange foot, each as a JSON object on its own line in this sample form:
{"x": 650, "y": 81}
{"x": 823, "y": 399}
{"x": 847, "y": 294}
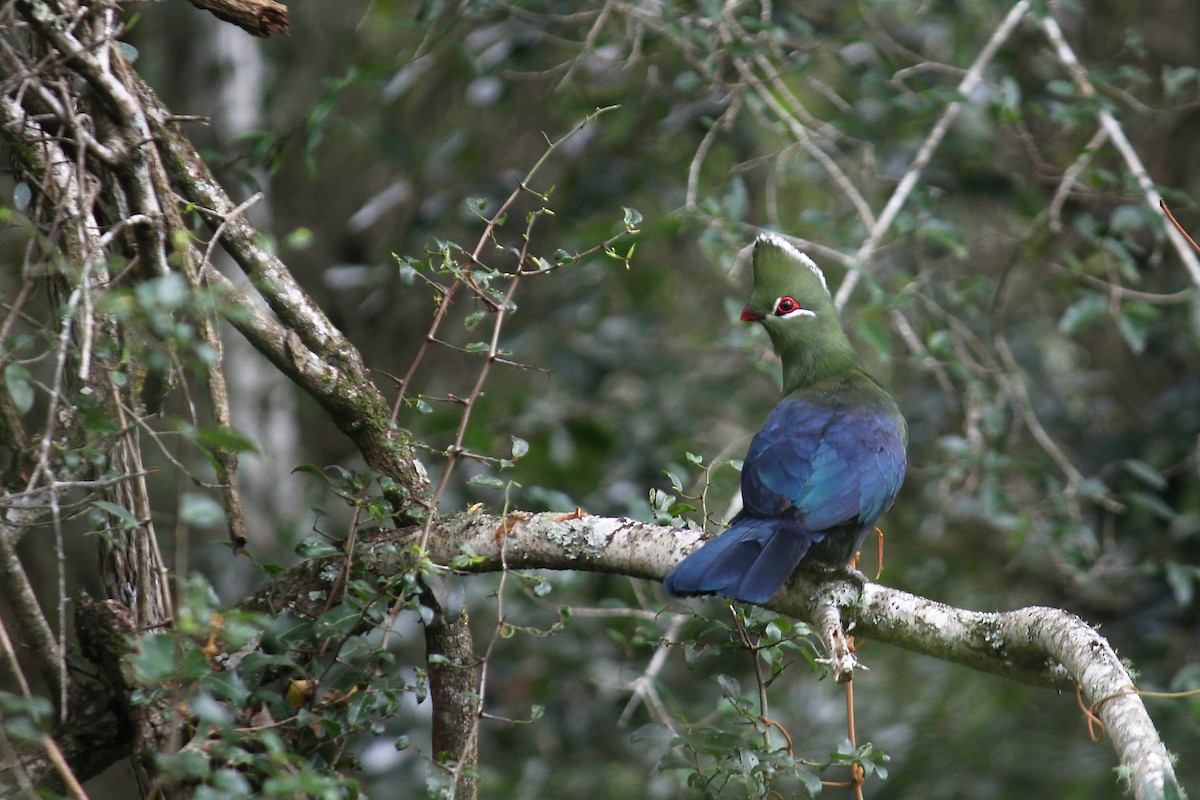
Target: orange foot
{"x": 879, "y": 543}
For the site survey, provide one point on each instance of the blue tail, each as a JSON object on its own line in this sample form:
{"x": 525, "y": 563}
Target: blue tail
{"x": 748, "y": 562}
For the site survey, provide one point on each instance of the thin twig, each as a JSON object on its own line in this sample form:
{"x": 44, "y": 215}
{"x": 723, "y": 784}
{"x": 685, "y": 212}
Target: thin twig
{"x": 643, "y": 687}
{"x": 1150, "y": 194}
{"x": 1071, "y": 175}
{"x": 74, "y": 787}
{"x": 909, "y": 180}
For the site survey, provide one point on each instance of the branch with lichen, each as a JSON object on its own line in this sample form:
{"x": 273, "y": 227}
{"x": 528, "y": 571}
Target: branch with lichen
{"x": 1042, "y": 647}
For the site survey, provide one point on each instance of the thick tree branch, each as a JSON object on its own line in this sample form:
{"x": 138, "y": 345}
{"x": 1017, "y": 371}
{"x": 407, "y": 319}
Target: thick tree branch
{"x": 453, "y": 685}
{"x": 1042, "y": 647}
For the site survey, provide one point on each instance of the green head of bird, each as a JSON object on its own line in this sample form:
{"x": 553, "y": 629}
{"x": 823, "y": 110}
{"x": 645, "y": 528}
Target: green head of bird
{"x": 792, "y": 301}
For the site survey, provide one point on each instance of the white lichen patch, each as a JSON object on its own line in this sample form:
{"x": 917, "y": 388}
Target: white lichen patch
{"x": 994, "y": 637}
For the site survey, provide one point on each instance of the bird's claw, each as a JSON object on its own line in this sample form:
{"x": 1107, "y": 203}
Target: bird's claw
{"x": 856, "y": 575}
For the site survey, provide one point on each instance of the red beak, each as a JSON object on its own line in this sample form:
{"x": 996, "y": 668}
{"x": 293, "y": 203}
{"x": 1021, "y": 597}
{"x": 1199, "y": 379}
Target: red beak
{"x": 751, "y": 316}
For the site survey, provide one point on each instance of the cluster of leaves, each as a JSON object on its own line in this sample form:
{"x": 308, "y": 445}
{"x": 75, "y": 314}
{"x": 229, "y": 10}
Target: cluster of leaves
{"x": 265, "y": 703}
{"x": 738, "y": 749}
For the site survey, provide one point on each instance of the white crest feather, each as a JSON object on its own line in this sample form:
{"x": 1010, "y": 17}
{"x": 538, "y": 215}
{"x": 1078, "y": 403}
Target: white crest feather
{"x": 772, "y": 238}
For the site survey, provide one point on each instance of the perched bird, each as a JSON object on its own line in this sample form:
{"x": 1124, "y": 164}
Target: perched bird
{"x": 830, "y": 458}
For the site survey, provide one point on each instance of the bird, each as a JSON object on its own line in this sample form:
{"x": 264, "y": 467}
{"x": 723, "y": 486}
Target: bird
{"x": 830, "y": 458}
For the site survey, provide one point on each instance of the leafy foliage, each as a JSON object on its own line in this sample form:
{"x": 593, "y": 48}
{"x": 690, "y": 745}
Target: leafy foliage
{"x": 1024, "y": 303}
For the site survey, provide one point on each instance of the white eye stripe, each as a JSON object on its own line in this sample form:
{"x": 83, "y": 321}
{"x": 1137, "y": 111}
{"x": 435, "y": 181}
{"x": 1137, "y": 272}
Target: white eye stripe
{"x": 786, "y": 307}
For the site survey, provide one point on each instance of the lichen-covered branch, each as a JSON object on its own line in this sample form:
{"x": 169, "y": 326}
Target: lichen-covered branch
{"x": 1042, "y": 647}
{"x": 303, "y": 343}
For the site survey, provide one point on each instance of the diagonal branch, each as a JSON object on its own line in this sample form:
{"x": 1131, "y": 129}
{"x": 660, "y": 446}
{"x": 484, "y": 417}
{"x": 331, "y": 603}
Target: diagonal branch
{"x": 303, "y": 342}
{"x": 934, "y": 140}
{"x": 1116, "y": 133}
{"x": 34, "y": 626}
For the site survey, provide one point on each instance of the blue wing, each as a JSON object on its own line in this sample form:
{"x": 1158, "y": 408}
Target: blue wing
{"x": 748, "y": 562}
{"x": 828, "y": 462}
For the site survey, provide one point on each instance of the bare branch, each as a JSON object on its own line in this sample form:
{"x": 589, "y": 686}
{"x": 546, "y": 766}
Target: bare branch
{"x": 909, "y": 181}
{"x": 256, "y": 17}
{"x": 1115, "y": 132}
{"x": 307, "y": 347}
{"x": 35, "y": 628}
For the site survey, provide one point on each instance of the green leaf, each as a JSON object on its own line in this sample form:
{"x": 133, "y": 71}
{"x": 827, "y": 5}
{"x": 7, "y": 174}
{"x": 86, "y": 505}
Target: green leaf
{"x": 187, "y": 763}
{"x": 20, "y": 386}
{"x": 207, "y": 709}
{"x": 1134, "y": 322}
{"x": 945, "y": 233}
{"x": 311, "y": 469}
{"x": 1182, "y": 579}
{"x": 1154, "y": 504}
{"x": 25, "y": 718}
{"x": 168, "y": 292}
{"x": 155, "y": 659}
{"x": 123, "y": 517}
{"x": 22, "y": 194}
{"x": 653, "y": 733}
{"x": 736, "y": 200}
{"x": 486, "y": 480}
{"x": 201, "y": 511}
{"x": 1126, "y": 218}
{"x": 316, "y": 547}
{"x": 299, "y": 239}
{"x": 229, "y": 439}
{"x": 1176, "y": 79}
{"x": 1083, "y": 313}
{"x": 474, "y": 318}
{"x": 1145, "y": 473}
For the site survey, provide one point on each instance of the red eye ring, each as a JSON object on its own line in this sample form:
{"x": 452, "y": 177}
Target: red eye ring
{"x": 785, "y": 305}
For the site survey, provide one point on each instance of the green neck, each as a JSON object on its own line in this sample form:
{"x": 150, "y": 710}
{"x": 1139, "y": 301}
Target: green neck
{"x": 808, "y": 359}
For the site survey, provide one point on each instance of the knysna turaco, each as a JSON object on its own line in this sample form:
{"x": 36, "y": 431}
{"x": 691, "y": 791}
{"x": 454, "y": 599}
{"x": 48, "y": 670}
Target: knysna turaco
{"x": 830, "y": 458}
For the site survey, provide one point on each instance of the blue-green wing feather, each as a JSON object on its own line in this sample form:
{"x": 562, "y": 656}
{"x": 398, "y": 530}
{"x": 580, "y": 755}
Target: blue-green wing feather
{"x": 825, "y": 465}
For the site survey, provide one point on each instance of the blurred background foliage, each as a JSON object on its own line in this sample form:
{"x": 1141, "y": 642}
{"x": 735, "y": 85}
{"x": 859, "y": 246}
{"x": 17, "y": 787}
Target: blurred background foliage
{"x": 1044, "y": 352}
